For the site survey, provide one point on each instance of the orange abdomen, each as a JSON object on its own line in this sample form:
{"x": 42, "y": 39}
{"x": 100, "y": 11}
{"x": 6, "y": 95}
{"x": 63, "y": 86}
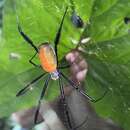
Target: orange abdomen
{"x": 47, "y": 58}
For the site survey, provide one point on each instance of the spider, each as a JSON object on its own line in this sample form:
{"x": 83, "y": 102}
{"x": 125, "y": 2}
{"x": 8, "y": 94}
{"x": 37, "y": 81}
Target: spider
{"x": 49, "y": 63}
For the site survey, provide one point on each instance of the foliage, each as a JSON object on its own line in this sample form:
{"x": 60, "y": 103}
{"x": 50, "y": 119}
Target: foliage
{"x": 107, "y": 53}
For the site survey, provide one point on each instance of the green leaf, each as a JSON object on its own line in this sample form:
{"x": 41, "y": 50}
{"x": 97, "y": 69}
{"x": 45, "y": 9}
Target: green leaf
{"x": 107, "y": 53}
{"x": 109, "y": 24}
{"x": 40, "y": 27}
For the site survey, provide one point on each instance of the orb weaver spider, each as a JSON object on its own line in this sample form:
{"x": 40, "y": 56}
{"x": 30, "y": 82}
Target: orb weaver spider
{"x": 49, "y": 63}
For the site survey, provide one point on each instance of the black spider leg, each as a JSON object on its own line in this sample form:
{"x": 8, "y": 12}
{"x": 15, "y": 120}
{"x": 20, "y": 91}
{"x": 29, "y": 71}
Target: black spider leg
{"x": 63, "y": 63}
{"x": 42, "y": 95}
{"x": 63, "y": 101}
{"x": 58, "y": 34}
{"x": 28, "y": 86}
{"x": 26, "y": 38}
{"x": 64, "y": 67}
{"x": 31, "y": 62}
{"x": 81, "y": 91}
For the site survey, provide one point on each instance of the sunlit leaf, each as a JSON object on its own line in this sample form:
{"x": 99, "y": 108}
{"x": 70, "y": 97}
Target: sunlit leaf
{"x": 107, "y": 52}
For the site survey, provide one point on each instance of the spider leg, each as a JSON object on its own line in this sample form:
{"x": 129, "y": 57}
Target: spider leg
{"x": 63, "y": 64}
{"x": 58, "y": 34}
{"x": 41, "y": 96}
{"x": 26, "y": 38}
{"x": 63, "y": 100}
{"x": 66, "y": 108}
{"x": 28, "y": 86}
{"x": 64, "y": 67}
{"x": 31, "y": 62}
{"x": 82, "y": 92}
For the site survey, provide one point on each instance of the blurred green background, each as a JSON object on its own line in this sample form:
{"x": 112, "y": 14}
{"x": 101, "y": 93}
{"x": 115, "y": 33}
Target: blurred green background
{"x": 107, "y": 53}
